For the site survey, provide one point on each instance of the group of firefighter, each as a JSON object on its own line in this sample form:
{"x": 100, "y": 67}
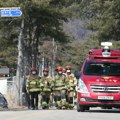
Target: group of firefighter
{"x": 45, "y": 90}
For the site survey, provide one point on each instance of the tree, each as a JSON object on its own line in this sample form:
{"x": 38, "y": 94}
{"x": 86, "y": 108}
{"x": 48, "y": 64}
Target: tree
{"x": 102, "y": 17}
{"x": 41, "y": 18}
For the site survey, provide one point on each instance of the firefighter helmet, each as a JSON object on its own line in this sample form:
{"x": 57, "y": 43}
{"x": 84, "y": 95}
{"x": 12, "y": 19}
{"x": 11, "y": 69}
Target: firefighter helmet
{"x": 59, "y": 68}
{"x": 46, "y": 70}
{"x": 33, "y": 70}
{"x": 68, "y": 67}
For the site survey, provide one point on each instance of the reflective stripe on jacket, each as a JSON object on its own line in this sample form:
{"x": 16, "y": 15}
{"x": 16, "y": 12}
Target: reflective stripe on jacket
{"x": 33, "y": 84}
{"x": 59, "y": 83}
{"x": 46, "y": 83}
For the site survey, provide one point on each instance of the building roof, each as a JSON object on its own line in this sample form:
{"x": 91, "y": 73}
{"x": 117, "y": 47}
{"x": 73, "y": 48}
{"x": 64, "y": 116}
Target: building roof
{"x": 4, "y": 70}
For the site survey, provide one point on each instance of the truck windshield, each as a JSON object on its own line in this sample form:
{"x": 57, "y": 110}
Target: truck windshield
{"x": 95, "y": 68}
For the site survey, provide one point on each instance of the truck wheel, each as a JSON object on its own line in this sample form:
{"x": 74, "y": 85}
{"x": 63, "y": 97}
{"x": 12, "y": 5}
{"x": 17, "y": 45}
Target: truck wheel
{"x": 87, "y": 108}
{"x": 80, "y": 108}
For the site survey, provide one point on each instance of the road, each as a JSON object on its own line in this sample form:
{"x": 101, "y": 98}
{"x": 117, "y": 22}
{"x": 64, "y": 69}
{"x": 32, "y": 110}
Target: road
{"x": 53, "y": 114}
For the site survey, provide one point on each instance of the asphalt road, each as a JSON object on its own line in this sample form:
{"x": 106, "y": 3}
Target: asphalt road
{"x": 53, "y": 114}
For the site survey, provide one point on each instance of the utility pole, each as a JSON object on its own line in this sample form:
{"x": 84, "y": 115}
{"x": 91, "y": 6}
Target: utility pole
{"x": 43, "y": 63}
{"x": 16, "y": 12}
{"x": 19, "y": 75}
{"x": 54, "y": 56}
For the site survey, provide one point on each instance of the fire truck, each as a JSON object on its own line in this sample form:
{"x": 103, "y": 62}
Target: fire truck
{"x": 99, "y": 81}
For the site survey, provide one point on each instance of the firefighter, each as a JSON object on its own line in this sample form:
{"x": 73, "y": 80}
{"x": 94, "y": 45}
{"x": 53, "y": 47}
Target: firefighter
{"x": 33, "y": 88}
{"x": 59, "y": 89}
{"x": 46, "y": 89}
{"x": 71, "y": 85}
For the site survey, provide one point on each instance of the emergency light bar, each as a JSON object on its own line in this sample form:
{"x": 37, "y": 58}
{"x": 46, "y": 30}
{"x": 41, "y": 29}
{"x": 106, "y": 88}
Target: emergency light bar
{"x": 106, "y": 50}
{"x": 106, "y": 44}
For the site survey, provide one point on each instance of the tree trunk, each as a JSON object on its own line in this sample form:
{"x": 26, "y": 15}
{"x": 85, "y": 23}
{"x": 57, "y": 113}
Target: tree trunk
{"x": 19, "y": 73}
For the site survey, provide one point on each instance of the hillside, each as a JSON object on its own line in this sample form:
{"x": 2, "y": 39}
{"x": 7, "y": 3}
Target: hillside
{"x": 77, "y": 30}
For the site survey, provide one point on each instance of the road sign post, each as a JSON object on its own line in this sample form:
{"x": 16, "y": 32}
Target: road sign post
{"x": 16, "y": 12}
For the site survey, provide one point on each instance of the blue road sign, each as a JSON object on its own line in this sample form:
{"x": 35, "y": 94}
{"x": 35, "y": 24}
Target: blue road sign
{"x": 11, "y": 12}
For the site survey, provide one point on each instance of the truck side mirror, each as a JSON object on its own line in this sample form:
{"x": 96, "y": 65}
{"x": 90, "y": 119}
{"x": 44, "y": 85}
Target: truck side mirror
{"x": 77, "y": 74}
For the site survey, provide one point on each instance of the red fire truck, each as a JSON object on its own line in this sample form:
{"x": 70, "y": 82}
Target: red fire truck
{"x": 99, "y": 81}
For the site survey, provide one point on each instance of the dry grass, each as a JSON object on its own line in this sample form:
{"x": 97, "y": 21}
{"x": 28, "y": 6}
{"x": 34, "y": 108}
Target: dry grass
{"x": 11, "y": 102}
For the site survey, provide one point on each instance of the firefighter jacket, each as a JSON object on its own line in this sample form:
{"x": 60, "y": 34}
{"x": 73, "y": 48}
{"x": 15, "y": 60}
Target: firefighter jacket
{"x": 45, "y": 83}
{"x": 33, "y": 84}
{"x": 59, "y": 83}
{"x": 71, "y": 81}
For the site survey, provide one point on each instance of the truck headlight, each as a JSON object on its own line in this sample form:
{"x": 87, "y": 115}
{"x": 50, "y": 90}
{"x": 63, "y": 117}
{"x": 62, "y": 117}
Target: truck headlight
{"x": 81, "y": 86}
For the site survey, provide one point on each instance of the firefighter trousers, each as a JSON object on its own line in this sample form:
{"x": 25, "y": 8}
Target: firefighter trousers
{"x": 45, "y": 99}
{"x": 60, "y": 98}
{"x": 70, "y": 99}
{"x": 34, "y": 100}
